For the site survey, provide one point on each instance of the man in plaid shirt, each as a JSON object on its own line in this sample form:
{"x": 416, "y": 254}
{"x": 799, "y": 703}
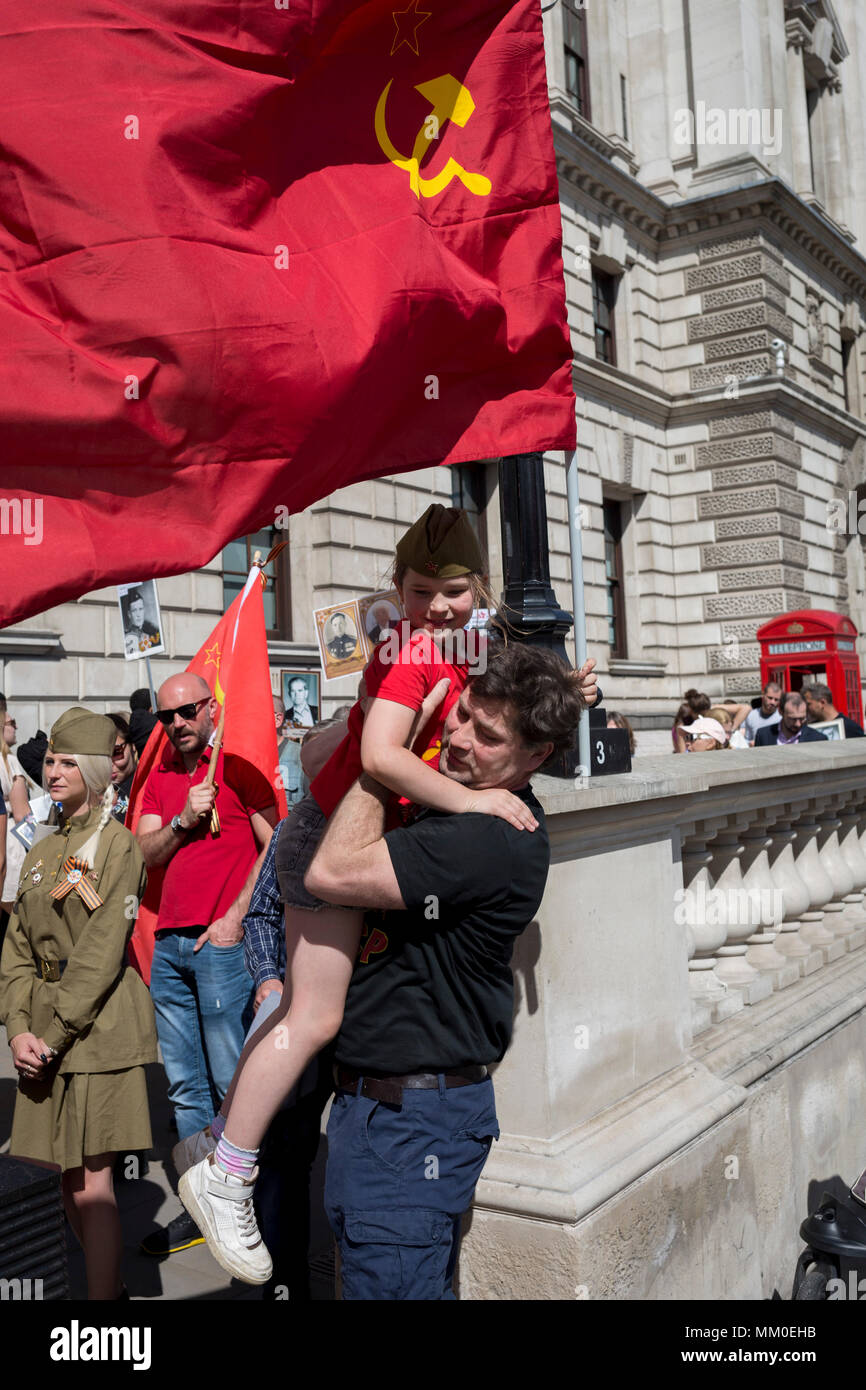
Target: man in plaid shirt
{"x": 283, "y": 1191}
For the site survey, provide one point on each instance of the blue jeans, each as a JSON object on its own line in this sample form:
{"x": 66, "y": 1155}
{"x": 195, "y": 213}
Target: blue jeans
{"x": 201, "y": 1003}
{"x": 398, "y": 1181}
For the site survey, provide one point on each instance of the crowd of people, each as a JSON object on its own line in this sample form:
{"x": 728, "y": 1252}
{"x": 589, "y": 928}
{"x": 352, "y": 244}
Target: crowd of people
{"x": 780, "y": 718}
{"x": 358, "y": 947}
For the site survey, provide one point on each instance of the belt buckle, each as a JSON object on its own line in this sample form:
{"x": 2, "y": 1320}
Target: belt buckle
{"x": 45, "y": 969}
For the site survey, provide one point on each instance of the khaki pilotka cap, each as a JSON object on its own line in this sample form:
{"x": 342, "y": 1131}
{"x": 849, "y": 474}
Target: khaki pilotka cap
{"x": 79, "y": 730}
{"x": 441, "y": 543}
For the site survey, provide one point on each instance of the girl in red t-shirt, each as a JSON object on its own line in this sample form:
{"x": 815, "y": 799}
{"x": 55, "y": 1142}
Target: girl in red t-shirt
{"x": 322, "y": 940}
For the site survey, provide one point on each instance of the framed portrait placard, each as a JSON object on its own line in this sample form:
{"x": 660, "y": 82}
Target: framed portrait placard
{"x": 140, "y": 620}
{"x": 299, "y": 691}
{"x": 380, "y": 614}
{"x": 831, "y": 728}
{"x": 341, "y": 644}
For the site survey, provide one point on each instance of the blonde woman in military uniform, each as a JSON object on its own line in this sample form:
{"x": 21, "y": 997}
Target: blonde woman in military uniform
{"x": 79, "y": 1019}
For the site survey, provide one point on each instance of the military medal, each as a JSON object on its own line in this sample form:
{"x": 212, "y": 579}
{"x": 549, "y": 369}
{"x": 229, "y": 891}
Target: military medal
{"x": 75, "y": 881}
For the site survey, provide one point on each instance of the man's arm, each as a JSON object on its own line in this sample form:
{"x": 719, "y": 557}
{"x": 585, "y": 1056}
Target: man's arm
{"x": 158, "y": 842}
{"x": 228, "y": 930}
{"x": 352, "y": 863}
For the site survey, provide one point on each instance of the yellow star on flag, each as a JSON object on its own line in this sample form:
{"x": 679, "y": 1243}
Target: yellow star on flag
{"x": 211, "y": 659}
{"x": 408, "y": 22}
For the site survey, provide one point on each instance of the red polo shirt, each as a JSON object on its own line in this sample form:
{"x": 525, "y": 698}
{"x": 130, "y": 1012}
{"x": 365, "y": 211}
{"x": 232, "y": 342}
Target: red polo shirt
{"x": 207, "y": 873}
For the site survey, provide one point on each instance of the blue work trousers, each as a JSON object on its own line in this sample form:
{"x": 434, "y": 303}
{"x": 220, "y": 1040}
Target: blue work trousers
{"x": 398, "y": 1181}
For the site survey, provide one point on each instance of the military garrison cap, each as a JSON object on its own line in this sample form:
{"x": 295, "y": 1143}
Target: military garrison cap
{"x": 79, "y": 730}
{"x": 441, "y": 543}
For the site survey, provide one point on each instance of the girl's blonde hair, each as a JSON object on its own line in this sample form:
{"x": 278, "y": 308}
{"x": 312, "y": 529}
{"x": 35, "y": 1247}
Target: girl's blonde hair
{"x": 95, "y": 769}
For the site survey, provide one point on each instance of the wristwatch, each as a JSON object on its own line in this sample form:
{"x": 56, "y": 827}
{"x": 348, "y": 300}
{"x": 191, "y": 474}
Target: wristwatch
{"x": 176, "y": 825}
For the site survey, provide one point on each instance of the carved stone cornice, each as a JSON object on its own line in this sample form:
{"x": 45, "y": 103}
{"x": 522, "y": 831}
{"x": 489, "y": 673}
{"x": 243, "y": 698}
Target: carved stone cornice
{"x": 656, "y": 222}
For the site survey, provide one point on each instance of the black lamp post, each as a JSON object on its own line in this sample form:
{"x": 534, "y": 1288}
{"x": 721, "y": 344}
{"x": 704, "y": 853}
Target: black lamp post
{"x": 529, "y": 610}
{"x": 529, "y": 606}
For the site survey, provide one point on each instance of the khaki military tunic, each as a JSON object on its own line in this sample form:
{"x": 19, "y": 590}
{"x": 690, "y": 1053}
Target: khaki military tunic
{"x": 98, "y": 1015}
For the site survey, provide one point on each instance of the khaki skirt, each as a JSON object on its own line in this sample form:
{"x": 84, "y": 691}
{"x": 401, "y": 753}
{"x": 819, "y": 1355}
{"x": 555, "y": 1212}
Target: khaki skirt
{"x": 77, "y": 1115}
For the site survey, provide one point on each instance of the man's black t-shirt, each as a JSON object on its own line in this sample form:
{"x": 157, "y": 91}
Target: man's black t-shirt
{"x": 432, "y": 988}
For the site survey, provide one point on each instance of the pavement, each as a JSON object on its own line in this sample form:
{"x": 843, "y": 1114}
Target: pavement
{"x": 148, "y": 1198}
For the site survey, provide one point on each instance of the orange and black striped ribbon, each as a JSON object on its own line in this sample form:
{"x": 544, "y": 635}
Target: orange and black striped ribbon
{"x": 76, "y": 870}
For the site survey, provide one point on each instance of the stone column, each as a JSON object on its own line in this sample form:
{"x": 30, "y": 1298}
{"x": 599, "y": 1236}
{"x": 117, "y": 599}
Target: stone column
{"x": 820, "y": 886}
{"x": 798, "y": 112}
{"x": 711, "y": 999}
{"x": 852, "y": 852}
{"x": 767, "y": 901}
{"x": 835, "y": 161}
{"x": 837, "y": 917}
{"x": 733, "y": 908}
{"x": 796, "y": 897}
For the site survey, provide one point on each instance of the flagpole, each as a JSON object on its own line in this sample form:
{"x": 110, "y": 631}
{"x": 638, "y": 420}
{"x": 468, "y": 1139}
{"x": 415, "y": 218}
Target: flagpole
{"x": 150, "y": 683}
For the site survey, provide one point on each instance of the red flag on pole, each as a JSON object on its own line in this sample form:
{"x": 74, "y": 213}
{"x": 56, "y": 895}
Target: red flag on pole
{"x": 255, "y": 252}
{"x": 234, "y": 662}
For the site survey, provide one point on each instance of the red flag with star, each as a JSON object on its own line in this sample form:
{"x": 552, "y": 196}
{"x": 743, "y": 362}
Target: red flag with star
{"x": 255, "y": 252}
{"x": 234, "y": 662}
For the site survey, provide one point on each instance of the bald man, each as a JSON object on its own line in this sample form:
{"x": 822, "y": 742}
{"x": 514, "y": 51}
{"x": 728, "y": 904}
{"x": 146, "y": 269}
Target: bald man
{"x": 199, "y": 983}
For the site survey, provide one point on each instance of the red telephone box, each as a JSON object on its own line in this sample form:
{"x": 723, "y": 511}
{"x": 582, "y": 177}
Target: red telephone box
{"x": 813, "y": 646}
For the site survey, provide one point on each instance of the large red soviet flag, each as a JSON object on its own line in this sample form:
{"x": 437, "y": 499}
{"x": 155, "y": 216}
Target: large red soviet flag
{"x": 234, "y": 662}
{"x": 253, "y": 252}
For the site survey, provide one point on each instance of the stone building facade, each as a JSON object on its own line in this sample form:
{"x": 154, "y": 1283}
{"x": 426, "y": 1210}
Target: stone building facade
{"x": 712, "y": 163}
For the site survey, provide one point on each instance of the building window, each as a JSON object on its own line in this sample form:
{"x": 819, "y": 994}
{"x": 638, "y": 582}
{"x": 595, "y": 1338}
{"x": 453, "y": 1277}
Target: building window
{"x": 237, "y": 558}
{"x": 469, "y": 491}
{"x": 613, "y": 569}
{"x": 623, "y": 95}
{"x": 576, "y": 68}
{"x": 604, "y": 292}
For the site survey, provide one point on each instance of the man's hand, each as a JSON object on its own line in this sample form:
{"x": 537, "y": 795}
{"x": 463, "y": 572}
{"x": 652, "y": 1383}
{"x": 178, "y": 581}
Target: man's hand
{"x": 223, "y": 932}
{"x": 587, "y": 681}
{"x": 265, "y": 988}
{"x": 199, "y": 804}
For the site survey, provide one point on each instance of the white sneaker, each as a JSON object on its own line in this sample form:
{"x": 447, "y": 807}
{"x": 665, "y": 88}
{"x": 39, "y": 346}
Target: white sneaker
{"x": 192, "y": 1150}
{"x": 222, "y": 1207}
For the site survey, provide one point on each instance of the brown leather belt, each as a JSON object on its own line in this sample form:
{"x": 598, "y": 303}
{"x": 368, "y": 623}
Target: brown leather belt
{"x": 50, "y": 970}
{"x": 390, "y": 1088}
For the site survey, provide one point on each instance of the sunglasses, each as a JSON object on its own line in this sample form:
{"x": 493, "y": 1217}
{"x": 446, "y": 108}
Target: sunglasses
{"x": 166, "y": 716}
{"x": 119, "y": 750}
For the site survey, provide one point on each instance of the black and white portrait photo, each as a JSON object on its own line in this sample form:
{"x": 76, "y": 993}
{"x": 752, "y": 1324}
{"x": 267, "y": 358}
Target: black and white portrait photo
{"x": 300, "y": 691}
{"x": 341, "y": 637}
{"x": 140, "y": 619}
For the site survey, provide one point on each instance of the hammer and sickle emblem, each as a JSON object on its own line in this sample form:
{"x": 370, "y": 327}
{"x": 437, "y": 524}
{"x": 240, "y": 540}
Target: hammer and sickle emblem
{"x": 451, "y": 101}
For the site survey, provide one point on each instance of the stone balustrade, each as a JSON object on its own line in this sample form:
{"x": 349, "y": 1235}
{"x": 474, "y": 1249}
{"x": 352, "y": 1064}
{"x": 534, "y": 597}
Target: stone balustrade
{"x": 690, "y": 1002}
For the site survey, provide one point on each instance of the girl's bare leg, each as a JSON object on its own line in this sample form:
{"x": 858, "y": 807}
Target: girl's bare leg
{"x": 91, "y": 1193}
{"x": 294, "y": 920}
{"x": 325, "y": 945}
